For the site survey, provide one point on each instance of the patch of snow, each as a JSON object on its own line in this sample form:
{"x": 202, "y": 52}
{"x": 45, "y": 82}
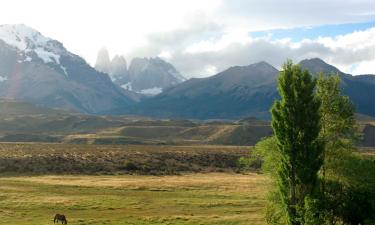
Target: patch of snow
{"x": 2, "y": 79}
{"x": 151, "y": 91}
{"x": 27, "y": 59}
{"x": 127, "y": 86}
{"x": 64, "y": 69}
{"x": 22, "y": 37}
{"x": 27, "y": 40}
{"x": 46, "y": 56}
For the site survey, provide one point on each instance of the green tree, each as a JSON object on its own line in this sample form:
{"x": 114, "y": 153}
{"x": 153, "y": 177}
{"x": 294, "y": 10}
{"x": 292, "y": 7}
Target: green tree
{"x": 296, "y": 126}
{"x": 348, "y": 180}
{"x": 338, "y": 123}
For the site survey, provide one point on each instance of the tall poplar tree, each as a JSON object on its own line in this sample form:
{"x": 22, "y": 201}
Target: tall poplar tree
{"x": 296, "y": 125}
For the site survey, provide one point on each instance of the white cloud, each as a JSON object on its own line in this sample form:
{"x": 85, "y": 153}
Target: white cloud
{"x": 365, "y": 67}
{"x": 352, "y": 53}
{"x": 85, "y": 26}
{"x": 215, "y": 45}
{"x": 209, "y": 70}
{"x": 199, "y": 35}
{"x": 165, "y": 55}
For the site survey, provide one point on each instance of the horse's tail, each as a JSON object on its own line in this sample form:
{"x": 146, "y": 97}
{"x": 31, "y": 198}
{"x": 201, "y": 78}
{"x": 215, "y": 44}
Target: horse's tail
{"x": 66, "y": 221}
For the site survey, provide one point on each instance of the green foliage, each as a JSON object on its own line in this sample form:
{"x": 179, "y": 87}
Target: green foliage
{"x": 345, "y": 191}
{"x": 337, "y": 111}
{"x": 338, "y": 131}
{"x": 348, "y": 180}
{"x": 264, "y": 155}
{"x": 296, "y": 125}
{"x": 350, "y": 190}
{"x": 275, "y": 213}
{"x": 266, "y": 150}
{"x": 337, "y": 120}
{"x": 248, "y": 163}
{"x": 312, "y": 208}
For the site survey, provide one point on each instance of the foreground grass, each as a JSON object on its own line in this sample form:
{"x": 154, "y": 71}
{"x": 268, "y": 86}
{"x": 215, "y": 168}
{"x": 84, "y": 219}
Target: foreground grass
{"x": 211, "y": 198}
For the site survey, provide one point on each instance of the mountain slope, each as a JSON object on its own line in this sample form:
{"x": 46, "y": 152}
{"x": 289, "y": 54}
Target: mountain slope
{"x": 360, "y": 88}
{"x": 38, "y": 69}
{"x": 246, "y": 91}
{"x": 237, "y": 92}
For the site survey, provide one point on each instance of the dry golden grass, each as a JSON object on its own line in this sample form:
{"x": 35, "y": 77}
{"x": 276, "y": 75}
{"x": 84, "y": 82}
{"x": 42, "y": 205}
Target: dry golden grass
{"x": 202, "y": 180}
{"x": 211, "y": 198}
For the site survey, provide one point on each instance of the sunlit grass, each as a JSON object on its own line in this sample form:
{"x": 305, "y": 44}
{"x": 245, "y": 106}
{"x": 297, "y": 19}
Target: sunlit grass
{"x": 211, "y": 198}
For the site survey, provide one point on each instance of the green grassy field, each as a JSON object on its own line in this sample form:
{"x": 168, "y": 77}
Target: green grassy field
{"x": 209, "y": 198}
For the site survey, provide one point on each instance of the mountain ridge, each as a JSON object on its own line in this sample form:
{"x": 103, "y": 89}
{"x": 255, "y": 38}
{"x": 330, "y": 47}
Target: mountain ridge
{"x": 243, "y": 91}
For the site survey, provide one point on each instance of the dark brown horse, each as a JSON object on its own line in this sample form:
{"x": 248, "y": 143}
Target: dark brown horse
{"x": 60, "y": 217}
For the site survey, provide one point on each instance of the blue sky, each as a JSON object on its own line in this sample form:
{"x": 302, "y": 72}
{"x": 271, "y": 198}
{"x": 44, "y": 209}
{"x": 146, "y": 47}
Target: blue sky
{"x": 313, "y": 32}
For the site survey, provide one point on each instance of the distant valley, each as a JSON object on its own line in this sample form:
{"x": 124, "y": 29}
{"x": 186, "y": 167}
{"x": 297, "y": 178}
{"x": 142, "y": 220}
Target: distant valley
{"x": 25, "y": 122}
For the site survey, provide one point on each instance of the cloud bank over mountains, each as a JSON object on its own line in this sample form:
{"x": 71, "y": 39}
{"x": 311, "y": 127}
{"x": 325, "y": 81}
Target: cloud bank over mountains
{"x": 203, "y": 37}
{"x": 208, "y": 44}
{"x": 193, "y": 56}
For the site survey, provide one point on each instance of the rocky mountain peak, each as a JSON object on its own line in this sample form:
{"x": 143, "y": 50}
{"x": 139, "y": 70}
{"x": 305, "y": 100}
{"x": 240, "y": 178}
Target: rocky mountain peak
{"x": 115, "y": 68}
{"x": 103, "y": 63}
{"x": 317, "y": 65}
{"x": 151, "y": 76}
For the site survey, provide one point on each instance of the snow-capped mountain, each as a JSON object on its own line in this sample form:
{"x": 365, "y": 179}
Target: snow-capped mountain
{"x": 39, "y": 69}
{"x": 30, "y": 45}
{"x": 148, "y": 76}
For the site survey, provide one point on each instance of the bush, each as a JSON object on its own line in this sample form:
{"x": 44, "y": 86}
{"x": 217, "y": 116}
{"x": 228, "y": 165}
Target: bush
{"x": 130, "y": 166}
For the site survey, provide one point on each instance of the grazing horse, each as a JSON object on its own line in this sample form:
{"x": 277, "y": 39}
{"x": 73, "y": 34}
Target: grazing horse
{"x": 60, "y": 217}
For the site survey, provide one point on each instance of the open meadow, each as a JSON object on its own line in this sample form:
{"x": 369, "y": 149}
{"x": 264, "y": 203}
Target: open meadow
{"x": 210, "y": 198}
{"x": 127, "y": 184}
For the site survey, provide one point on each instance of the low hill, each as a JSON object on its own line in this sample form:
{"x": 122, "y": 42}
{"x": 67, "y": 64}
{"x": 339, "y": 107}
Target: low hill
{"x": 12, "y": 107}
{"x": 24, "y": 122}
